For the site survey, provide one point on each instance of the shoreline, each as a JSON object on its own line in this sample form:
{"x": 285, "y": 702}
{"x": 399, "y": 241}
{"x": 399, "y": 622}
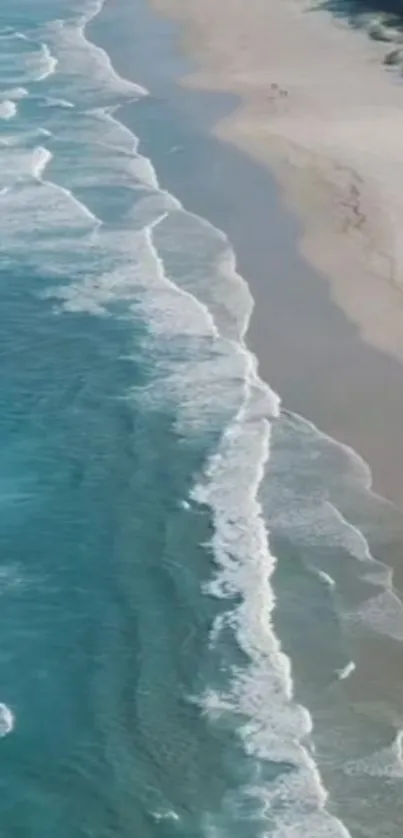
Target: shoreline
{"x": 335, "y": 145}
{"x": 309, "y": 351}
{"x": 238, "y": 195}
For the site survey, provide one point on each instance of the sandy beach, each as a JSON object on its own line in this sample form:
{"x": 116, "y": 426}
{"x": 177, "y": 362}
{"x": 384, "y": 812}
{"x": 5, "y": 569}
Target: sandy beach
{"x": 320, "y": 108}
{"x": 314, "y": 235}
{"x": 323, "y": 112}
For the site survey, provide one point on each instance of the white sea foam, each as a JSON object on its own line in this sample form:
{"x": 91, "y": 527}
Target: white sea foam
{"x": 52, "y": 102}
{"x": 7, "y": 720}
{"x": 209, "y": 272}
{"x": 388, "y": 762}
{"x": 8, "y": 32}
{"x": 347, "y": 670}
{"x": 219, "y": 624}
{"x": 262, "y": 693}
{"x": 90, "y": 65}
{"x": 358, "y": 471}
{"x": 195, "y": 304}
{"x": 174, "y": 311}
{"x": 14, "y": 93}
{"x": 166, "y": 815}
{"x": 139, "y": 166}
{"x": 19, "y": 167}
{"x": 352, "y": 538}
{"x": 40, "y": 159}
{"x": 308, "y": 474}
{"x": 23, "y": 140}
{"x": 8, "y": 109}
{"x": 382, "y": 614}
{"x": 38, "y": 210}
{"x": 24, "y": 60}
{"x": 53, "y": 205}
{"x": 326, "y": 578}
{"x": 114, "y": 163}
{"x": 44, "y": 64}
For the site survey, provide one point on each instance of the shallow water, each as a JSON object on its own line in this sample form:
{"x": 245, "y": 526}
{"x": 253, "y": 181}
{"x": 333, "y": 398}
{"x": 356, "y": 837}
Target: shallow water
{"x": 153, "y": 678}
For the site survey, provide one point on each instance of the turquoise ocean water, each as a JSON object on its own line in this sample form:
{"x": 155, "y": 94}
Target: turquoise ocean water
{"x": 182, "y": 595}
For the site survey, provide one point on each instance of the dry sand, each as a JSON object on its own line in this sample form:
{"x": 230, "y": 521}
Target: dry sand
{"x": 321, "y": 109}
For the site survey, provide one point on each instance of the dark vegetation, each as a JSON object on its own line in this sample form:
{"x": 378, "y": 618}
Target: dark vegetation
{"x": 390, "y": 11}
{"x": 383, "y": 20}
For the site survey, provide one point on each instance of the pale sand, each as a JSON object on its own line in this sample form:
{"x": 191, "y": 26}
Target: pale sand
{"x": 320, "y": 108}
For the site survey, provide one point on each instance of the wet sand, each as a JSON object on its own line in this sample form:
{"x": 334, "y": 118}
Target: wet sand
{"x": 337, "y": 364}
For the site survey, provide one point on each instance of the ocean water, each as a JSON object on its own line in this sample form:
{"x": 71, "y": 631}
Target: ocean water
{"x": 190, "y": 608}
